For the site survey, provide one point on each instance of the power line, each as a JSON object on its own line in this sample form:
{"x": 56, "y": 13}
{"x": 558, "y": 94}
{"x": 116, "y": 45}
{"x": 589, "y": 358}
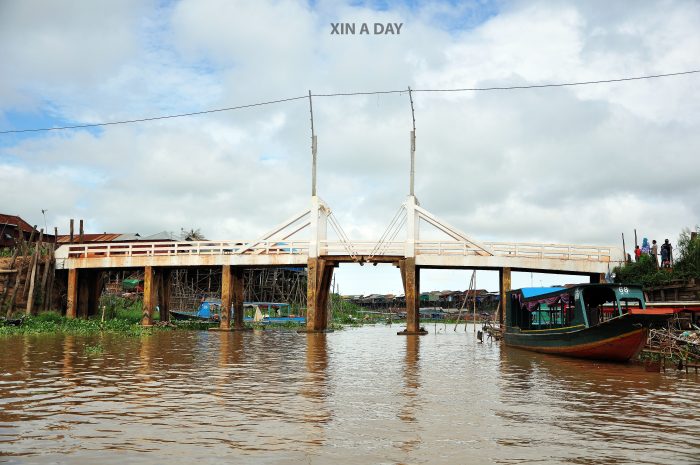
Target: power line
{"x": 154, "y": 118}
{"x": 563, "y": 84}
{"x": 347, "y": 94}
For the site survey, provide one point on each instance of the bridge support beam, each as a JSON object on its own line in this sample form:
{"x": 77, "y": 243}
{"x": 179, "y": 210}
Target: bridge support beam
{"x": 231, "y": 296}
{"x": 164, "y": 280}
{"x": 149, "y": 296}
{"x": 238, "y": 288}
{"x": 410, "y": 275}
{"x": 318, "y": 284}
{"x": 226, "y": 298}
{"x": 504, "y": 285}
{"x": 72, "y": 307}
{"x": 84, "y": 289}
{"x": 83, "y": 294}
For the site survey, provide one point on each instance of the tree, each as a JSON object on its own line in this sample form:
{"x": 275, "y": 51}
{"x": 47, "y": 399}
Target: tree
{"x": 192, "y": 235}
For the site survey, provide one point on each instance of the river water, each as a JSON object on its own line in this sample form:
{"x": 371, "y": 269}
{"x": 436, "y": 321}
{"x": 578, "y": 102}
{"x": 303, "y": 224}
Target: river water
{"x": 361, "y": 395}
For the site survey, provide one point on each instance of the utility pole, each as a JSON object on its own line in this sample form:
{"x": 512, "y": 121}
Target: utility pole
{"x": 413, "y": 145}
{"x": 313, "y": 149}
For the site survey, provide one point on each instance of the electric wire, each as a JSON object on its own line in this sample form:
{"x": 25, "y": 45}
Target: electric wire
{"x": 347, "y": 94}
{"x": 154, "y": 118}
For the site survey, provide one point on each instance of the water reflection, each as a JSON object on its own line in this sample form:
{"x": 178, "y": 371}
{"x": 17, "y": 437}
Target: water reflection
{"x": 315, "y": 388}
{"x": 546, "y": 396}
{"x": 410, "y": 407}
{"x": 68, "y": 357}
{"x": 356, "y": 396}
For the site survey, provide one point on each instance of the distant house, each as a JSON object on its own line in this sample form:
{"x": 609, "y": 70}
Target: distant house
{"x": 12, "y": 227}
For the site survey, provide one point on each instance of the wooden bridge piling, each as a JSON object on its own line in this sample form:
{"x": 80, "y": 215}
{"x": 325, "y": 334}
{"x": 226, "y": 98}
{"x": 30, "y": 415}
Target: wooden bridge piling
{"x": 238, "y": 286}
{"x": 320, "y": 275}
{"x": 164, "y": 294}
{"x": 504, "y": 285}
{"x": 226, "y": 298}
{"x": 149, "y": 296}
{"x": 410, "y": 276}
{"x": 72, "y": 298}
{"x": 232, "y": 288}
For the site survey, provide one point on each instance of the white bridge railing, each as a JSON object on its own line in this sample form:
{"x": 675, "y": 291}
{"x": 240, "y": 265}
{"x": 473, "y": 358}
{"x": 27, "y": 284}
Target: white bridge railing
{"x": 559, "y": 251}
{"x": 355, "y": 248}
{"x": 141, "y": 249}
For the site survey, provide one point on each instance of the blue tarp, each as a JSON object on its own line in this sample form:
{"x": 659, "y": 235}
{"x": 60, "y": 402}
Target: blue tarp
{"x": 204, "y": 310}
{"x": 529, "y": 292}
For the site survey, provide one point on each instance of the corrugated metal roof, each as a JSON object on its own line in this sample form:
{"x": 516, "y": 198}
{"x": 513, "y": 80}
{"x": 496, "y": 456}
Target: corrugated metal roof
{"x": 116, "y": 237}
{"x": 17, "y": 221}
{"x": 65, "y": 238}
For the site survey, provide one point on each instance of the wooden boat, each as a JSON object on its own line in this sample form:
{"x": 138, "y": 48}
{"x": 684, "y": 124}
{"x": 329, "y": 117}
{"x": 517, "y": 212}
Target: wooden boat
{"x": 270, "y": 312}
{"x": 261, "y": 312}
{"x": 208, "y": 310}
{"x": 593, "y": 321}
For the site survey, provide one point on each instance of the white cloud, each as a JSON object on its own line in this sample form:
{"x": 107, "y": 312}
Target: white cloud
{"x": 578, "y": 164}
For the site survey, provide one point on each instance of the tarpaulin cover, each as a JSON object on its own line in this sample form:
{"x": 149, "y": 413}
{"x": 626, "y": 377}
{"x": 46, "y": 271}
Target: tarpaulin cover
{"x": 130, "y": 283}
{"x": 529, "y": 292}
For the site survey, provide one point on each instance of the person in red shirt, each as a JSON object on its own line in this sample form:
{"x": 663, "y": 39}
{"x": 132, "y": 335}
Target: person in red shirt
{"x": 637, "y": 253}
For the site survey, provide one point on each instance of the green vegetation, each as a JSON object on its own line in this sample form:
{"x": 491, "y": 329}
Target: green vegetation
{"x": 93, "y": 350}
{"x": 123, "y": 315}
{"x": 350, "y": 314}
{"x": 645, "y": 272}
{"x": 53, "y": 322}
{"x": 121, "y": 308}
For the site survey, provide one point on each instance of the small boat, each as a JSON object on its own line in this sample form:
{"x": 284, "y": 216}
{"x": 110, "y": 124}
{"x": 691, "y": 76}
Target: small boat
{"x": 593, "y": 321}
{"x": 261, "y": 312}
{"x": 209, "y": 310}
{"x": 270, "y": 312}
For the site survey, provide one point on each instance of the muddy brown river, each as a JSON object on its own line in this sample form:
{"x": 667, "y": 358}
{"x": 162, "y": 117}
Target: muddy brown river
{"x": 357, "y": 396}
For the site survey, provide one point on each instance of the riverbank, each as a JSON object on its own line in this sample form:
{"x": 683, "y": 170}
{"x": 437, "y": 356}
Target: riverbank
{"x": 127, "y": 322}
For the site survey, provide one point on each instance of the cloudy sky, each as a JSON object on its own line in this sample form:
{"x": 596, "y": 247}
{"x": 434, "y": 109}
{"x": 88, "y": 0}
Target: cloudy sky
{"x": 568, "y": 165}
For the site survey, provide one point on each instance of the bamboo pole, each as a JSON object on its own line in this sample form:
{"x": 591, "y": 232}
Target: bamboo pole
{"x": 44, "y": 279}
{"x": 26, "y": 248}
{"x": 52, "y": 273}
{"x": 35, "y": 264}
{"x": 474, "y": 304}
{"x": 464, "y": 303}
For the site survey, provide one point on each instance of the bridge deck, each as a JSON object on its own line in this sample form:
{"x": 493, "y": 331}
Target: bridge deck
{"x": 562, "y": 258}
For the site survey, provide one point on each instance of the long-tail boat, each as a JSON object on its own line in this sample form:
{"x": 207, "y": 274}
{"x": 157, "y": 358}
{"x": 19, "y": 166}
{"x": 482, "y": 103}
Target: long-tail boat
{"x": 594, "y": 321}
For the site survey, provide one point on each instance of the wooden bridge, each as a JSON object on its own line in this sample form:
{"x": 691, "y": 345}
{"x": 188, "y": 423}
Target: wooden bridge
{"x": 282, "y": 247}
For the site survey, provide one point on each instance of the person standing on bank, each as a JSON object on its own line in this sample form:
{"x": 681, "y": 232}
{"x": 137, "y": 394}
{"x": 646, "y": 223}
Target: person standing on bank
{"x": 666, "y": 256}
{"x": 654, "y": 253}
{"x": 637, "y": 253}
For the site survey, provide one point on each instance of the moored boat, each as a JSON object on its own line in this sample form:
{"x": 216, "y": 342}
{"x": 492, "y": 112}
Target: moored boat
{"x": 594, "y": 321}
{"x": 208, "y": 310}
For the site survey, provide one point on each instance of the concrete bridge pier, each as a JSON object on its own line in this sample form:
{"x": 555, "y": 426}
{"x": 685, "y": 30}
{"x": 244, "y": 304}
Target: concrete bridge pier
{"x": 410, "y": 276}
{"x": 318, "y": 285}
{"x": 231, "y": 295}
{"x": 84, "y": 289}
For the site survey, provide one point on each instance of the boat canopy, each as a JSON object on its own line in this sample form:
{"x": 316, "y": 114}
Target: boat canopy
{"x": 529, "y": 292}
